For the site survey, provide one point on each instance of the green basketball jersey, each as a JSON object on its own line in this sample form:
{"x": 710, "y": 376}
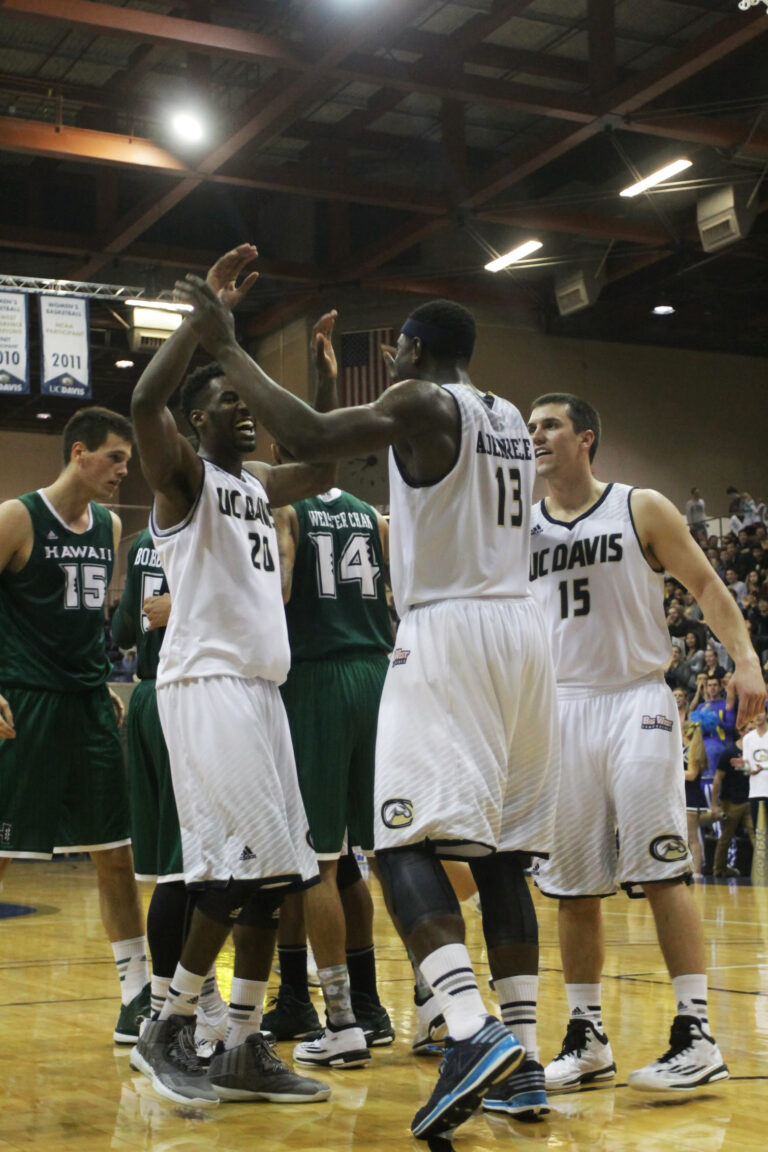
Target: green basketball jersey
{"x": 144, "y": 578}
{"x": 52, "y": 611}
{"x": 338, "y": 605}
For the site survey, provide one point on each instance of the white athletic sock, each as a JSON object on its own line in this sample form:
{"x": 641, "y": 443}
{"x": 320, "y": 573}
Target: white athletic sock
{"x": 691, "y": 996}
{"x": 183, "y": 993}
{"x": 245, "y": 1009}
{"x": 517, "y": 1002}
{"x": 160, "y": 986}
{"x": 132, "y": 967}
{"x": 452, "y": 979}
{"x": 212, "y": 1004}
{"x": 585, "y": 1003}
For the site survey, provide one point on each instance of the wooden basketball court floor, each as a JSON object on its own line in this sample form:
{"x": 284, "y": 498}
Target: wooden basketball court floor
{"x": 64, "y": 1087}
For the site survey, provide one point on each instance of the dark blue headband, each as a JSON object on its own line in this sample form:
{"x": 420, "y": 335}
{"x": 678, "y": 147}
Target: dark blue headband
{"x": 440, "y": 341}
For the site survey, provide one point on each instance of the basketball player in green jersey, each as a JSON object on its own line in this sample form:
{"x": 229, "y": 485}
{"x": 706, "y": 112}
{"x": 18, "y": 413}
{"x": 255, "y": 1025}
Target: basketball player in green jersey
{"x": 62, "y": 779}
{"x": 333, "y": 558}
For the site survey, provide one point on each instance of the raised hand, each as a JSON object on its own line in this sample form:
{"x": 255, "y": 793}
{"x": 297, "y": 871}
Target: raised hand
{"x": 210, "y": 319}
{"x": 321, "y": 345}
{"x": 223, "y": 276}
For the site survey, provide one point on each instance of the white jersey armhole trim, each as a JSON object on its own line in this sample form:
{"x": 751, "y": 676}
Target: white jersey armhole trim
{"x": 163, "y": 533}
{"x": 408, "y": 480}
{"x": 656, "y": 571}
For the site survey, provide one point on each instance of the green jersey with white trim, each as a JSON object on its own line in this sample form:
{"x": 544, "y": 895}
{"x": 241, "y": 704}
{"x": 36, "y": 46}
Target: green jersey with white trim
{"x": 338, "y": 605}
{"x": 52, "y": 611}
{"x": 144, "y": 578}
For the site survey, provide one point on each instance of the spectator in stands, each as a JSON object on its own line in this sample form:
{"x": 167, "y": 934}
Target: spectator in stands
{"x": 675, "y": 673}
{"x": 716, "y": 713}
{"x": 712, "y": 667}
{"x": 696, "y": 512}
{"x": 732, "y": 582}
{"x": 744, "y": 561}
{"x": 676, "y": 621}
{"x": 730, "y": 803}
{"x": 693, "y": 663}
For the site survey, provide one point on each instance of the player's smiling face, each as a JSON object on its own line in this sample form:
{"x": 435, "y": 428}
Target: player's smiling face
{"x": 556, "y": 445}
{"x": 225, "y": 422}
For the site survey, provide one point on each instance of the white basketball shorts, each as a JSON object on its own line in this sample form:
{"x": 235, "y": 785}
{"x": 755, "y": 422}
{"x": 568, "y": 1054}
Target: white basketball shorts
{"x": 467, "y": 752}
{"x": 234, "y": 777}
{"x": 621, "y": 806}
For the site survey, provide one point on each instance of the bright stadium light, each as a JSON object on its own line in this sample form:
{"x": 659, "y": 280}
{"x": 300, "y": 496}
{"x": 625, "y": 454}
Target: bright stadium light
{"x": 656, "y": 177}
{"x": 512, "y": 257}
{"x": 188, "y": 126}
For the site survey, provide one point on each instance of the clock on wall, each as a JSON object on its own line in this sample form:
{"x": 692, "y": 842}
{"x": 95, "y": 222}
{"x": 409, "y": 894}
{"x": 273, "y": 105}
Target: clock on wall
{"x": 366, "y": 477}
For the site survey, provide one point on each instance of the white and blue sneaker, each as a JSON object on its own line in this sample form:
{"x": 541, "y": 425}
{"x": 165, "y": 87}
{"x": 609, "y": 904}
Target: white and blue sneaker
{"x": 468, "y": 1070}
{"x": 521, "y": 1094}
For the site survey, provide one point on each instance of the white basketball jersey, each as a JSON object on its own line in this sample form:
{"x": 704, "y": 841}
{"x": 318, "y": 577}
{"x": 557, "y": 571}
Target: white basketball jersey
{"x": 221, "y": 564}
{"x": 602, "y": 602}
{"x": 467, "y": 534}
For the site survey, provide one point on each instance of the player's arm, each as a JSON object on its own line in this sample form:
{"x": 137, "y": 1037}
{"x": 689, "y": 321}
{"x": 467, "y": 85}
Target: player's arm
{"x": 287, "y": 528}
{"x": 125, "y": 626}
{"x": 170, "y": 464}
{"x": 669, "y": 545}
{"x": 717, "y": 784}
{"x": 413, "y": 411}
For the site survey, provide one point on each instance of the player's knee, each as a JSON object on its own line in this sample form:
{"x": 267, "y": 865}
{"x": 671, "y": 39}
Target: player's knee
{"x": 241, "y": 902}
{"x": 509, "y": 916}
{"x": 418, "y": 888}
{"x": 347, "y": 872}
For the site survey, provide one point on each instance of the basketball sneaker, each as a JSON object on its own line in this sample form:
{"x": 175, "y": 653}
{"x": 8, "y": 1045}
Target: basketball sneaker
{"x": 465, "y": 1074}
{"x": 693, "y": 1059}
{"x": 521, "y": 1094}
{"x": 253, "y": 1071}
{"x": 167, "y": 1054}
{"x": 131, "y": 1016}
{"x": 374, "y": 1021}
{"x": 585, "y": 1058}
{"x": 430, "y": 1029}
{"x": 290, "y": 1018}
{"x": 345, "y": 1048}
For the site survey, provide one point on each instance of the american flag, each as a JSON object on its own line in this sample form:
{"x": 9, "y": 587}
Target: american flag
{"x": 363, "y": 371}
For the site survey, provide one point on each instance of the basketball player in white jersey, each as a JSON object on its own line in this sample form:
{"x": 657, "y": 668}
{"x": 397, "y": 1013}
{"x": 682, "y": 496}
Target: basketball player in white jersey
{"x": 243, "y": 827}
{"x": 598, "y": 556}
{"x": 467, "y": 757}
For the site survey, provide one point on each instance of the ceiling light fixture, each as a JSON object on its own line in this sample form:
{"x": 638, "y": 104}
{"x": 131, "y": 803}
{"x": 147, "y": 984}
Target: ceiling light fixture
{"x": 512, "y": 257}
{"x": 162, "y": 305}
{"x": 188, "y": 126}
{"x": 43, "y": 415}
{"x": 656, "y": 177}
{"x": 663, "y": 310}
{"x": 123, "y": 363}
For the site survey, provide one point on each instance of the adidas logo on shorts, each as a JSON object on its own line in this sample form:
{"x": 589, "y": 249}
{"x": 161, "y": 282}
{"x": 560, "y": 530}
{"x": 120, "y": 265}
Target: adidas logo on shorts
{"x": 247, "y": 854}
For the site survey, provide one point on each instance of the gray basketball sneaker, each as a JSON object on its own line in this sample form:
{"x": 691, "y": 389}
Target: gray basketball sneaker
{"x": 167, "y": 1054}
{"x": 253, "y": 1071}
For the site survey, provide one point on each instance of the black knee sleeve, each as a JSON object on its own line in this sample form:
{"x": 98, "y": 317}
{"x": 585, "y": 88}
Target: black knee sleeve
{"x": 347, "y": 872}
{"x": 226, "y": 905}
{"x": 261, "y": 909}
{"x": 417, "y": 885}
{"x": 167, "y": 926}
{"x": 509, "y": 916}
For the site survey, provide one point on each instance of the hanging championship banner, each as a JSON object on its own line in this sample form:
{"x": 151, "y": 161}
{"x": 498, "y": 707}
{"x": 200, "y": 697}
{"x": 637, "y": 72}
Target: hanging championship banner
{"x": 14, "y": 343}
{"x": 66, "y": 363}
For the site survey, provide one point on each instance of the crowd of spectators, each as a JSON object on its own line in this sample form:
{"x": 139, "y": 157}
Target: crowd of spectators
{"x": 699, "y": 668}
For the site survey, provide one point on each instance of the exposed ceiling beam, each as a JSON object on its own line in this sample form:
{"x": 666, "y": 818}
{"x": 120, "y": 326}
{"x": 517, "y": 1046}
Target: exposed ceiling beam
{"x": 34, "y": 138}
{"x": 152, "y": 28}
{"x": 257, "y": 120}
{"x": 548, "y": 65}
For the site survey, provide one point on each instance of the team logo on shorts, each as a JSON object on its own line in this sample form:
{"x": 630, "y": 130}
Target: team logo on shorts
{"x": 662, "y": 722}
{"x": 400, "y": 655}
{"x": 668, "y": 849}
{"x": 5, "y": 833}
{"x": 397, "y": 813}
{"x": 247, "y": 854}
